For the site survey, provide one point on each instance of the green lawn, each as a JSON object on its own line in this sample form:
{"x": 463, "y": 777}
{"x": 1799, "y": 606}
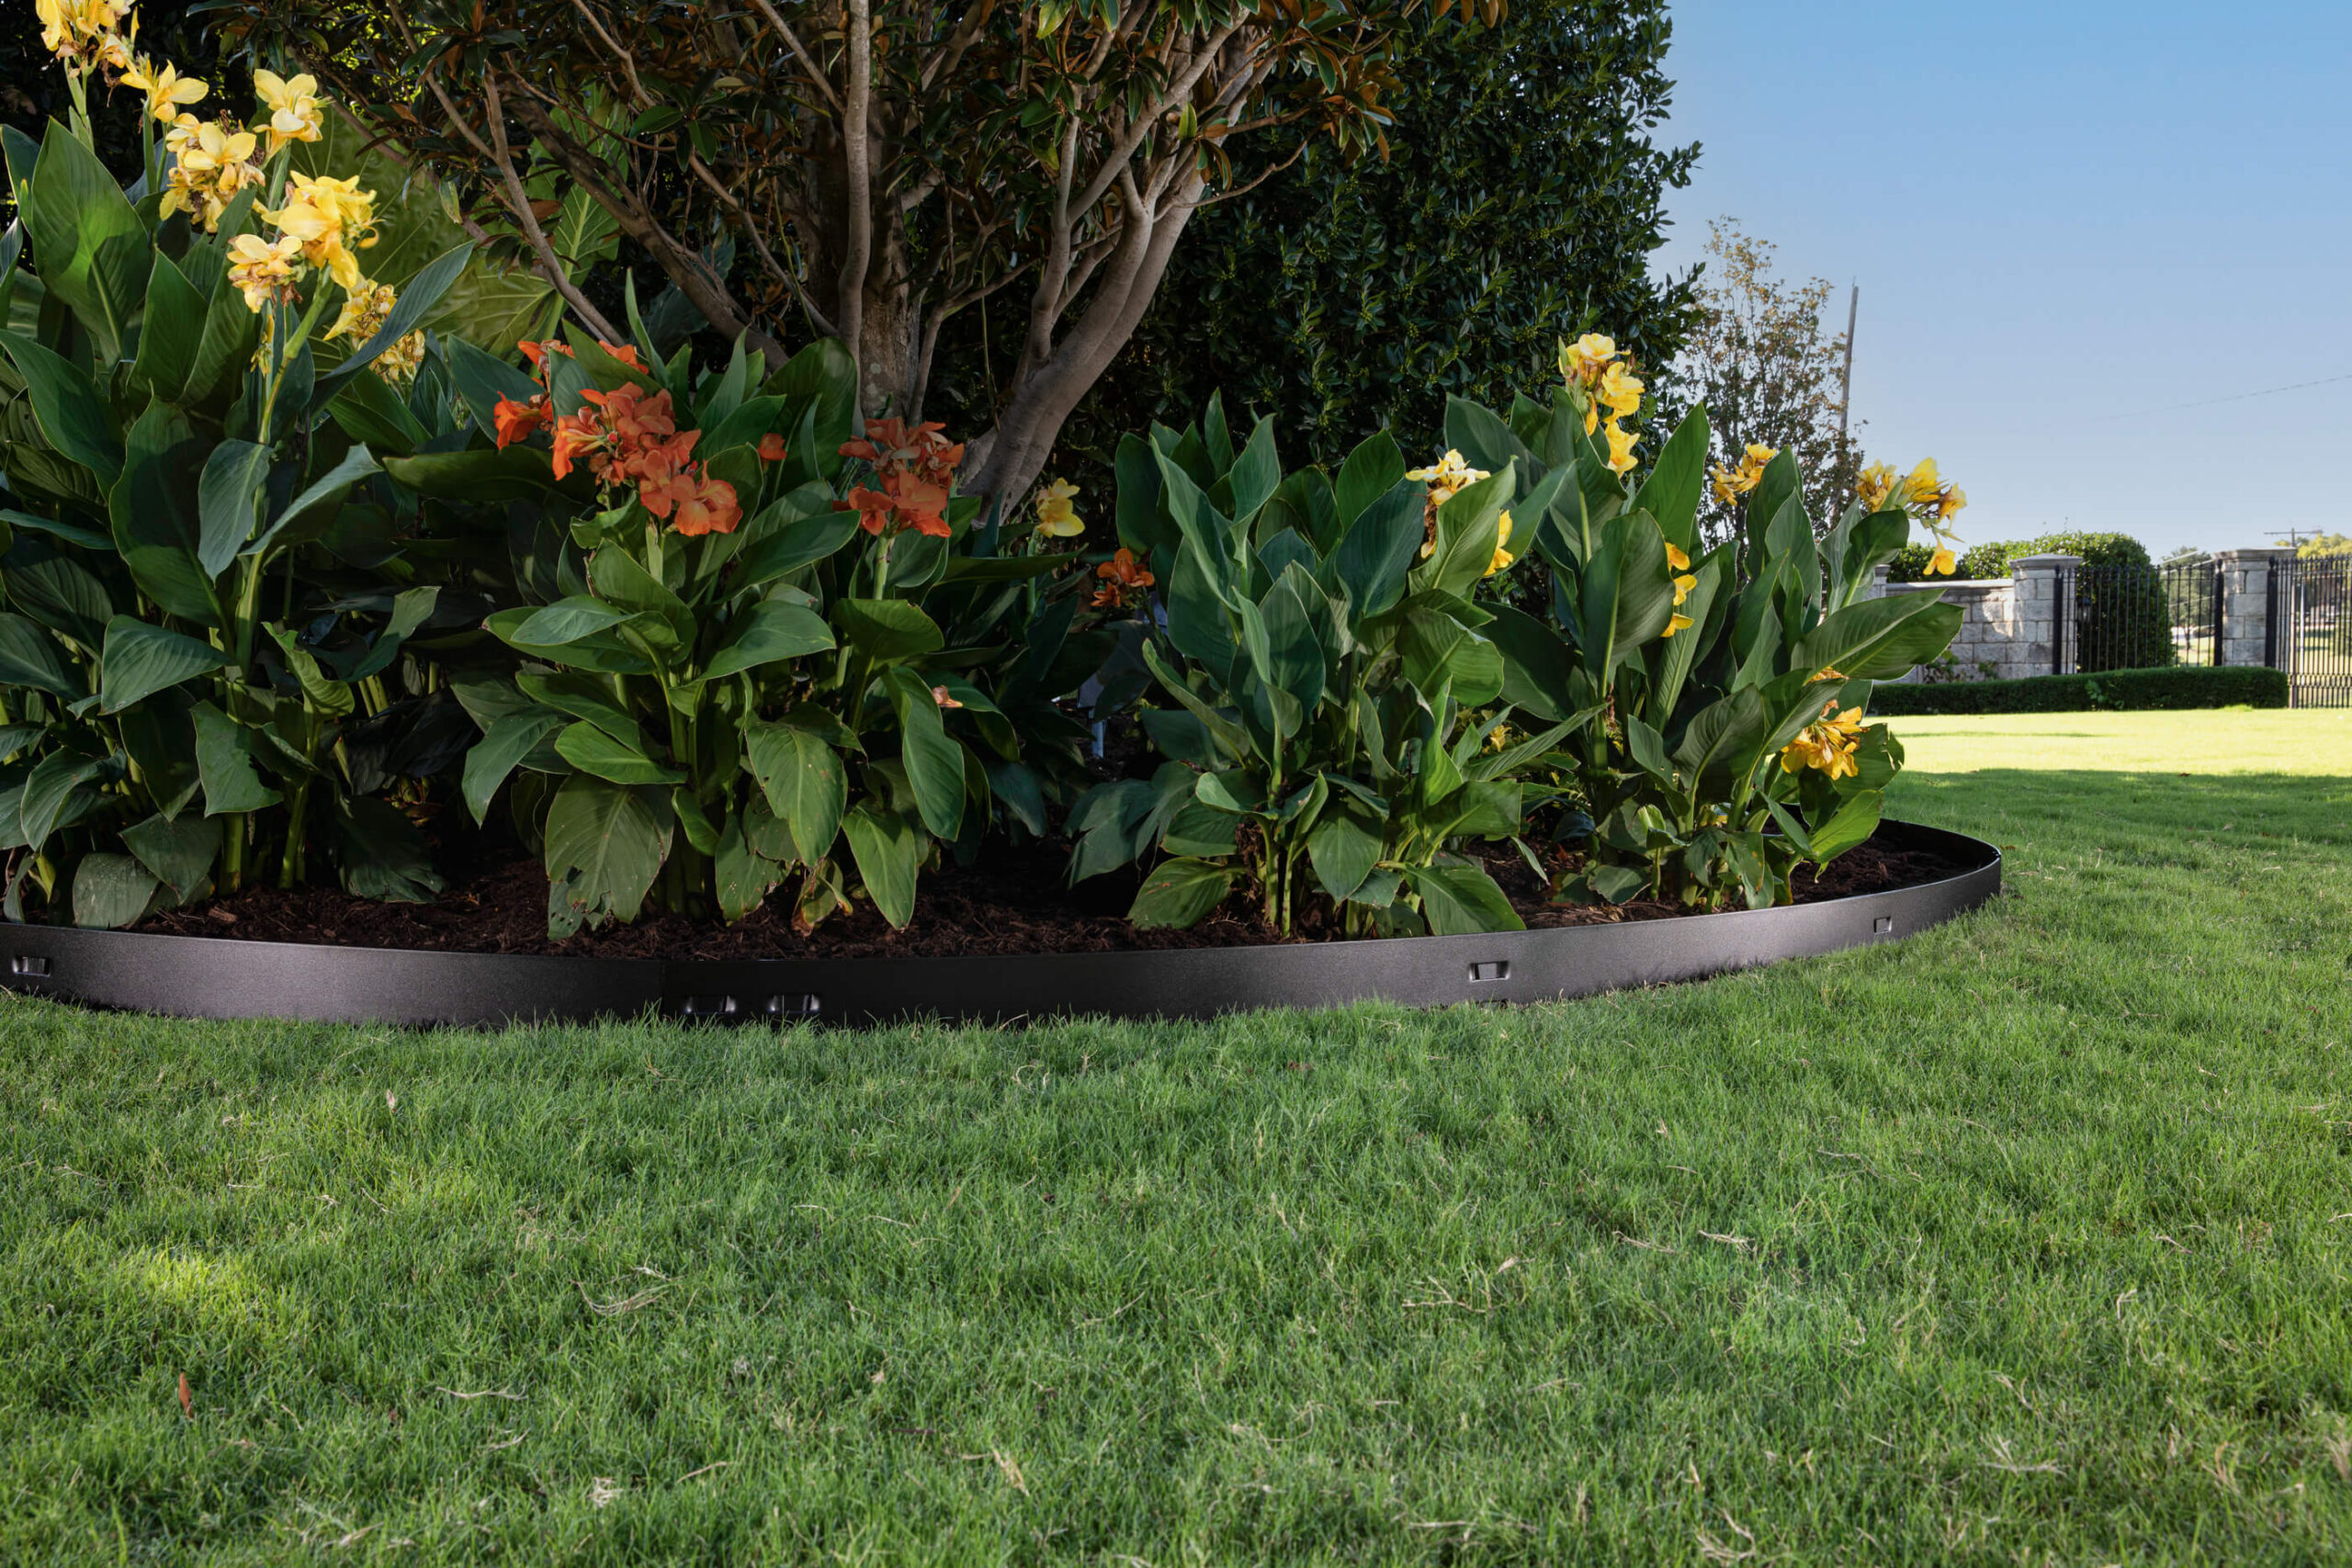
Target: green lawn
{"x": 2025, "y": 1241}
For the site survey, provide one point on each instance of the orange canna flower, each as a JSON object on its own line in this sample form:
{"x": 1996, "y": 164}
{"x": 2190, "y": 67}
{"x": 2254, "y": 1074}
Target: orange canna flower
{"x": 711, "y": 508}
{"x": 576, "y": 437}
{"x": 771, "y": 447}
{"x": 625, "y": 352}
{"x": 1122, "y": 575}
{"x": 536, "y": 353}
{"x": 516, "y": 421}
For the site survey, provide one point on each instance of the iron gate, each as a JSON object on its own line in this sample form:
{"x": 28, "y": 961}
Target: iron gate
{"x": 2311, "y": 629}
{"x": 2129, "y": 616}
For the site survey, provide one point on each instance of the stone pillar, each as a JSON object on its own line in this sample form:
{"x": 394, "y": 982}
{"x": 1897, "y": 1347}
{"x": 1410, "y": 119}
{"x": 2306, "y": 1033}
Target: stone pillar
{"x": 2246, "y": 605}
{"x": 1877, "y": 589}
{"x": 2042, "y": 595}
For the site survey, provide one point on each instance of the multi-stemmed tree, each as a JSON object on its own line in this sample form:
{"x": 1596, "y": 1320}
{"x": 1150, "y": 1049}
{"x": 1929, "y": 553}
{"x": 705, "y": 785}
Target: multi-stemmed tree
{"x": 862, "y": 169}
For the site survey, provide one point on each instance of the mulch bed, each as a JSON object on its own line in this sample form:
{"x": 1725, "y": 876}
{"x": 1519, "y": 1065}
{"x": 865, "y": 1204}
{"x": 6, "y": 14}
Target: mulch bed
{"x": 1010, "y": 902}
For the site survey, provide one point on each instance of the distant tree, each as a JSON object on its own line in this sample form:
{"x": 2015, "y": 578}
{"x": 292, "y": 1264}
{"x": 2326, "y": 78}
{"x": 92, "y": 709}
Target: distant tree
{"x": 1519, "y": 201}
{"x": 1770, "y": 372}
{"x": 2318, "y": 545}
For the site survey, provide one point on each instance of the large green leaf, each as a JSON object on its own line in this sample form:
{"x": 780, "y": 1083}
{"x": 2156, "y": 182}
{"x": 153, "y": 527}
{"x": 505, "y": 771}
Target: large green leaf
{"x": 1484, "y": 441}
{"x": 824, "y": 376}
{"x": 591, "y": 750}
{"x": 772, "y": 631}
{"x": 1854, "y": 821}
{"x": 140, "y": 659}
{"x": 1377, "y": 553}
{"x": 510, "y": 738}
{"x": 480, "y": 474}
{"x": 888, "y": 852}
{"x": 29, "y": 657}
{"x": 1628, "y": 593}
{"x": 171, "y": 330}
{"x": 1180, "y": 893}
{"x": 57, "y": 591}
{"x": 309, "y": 514}
{"x": 1459, "y": 899}
{"x": 228, "y": 501}
{"x": 58, "y": 792}
{"x": 740, "y": 876}
{"x": 111, "y": 891}
{"x": 1877, "y": 639}
{"x": 934, "y": 759}
{"x": 179, "y": 850}
{"x": 224, "y": 351}
{"x": 154, "y": 510}
{"x": 1343, "y": 847}
{"x": 606, "y": 843}
{"x": 72, "y": 416}
{"x": 1720, "y": 743}
{"x": 804, "y": 782}
{"x": 1469, "y": 530}
{"x": 568, "y": 620}
{"x": 888, "y": 628}
{"x": 380, "y": 853}
{"x": 93, "y": 247}
{"x": 1677, "y": 480}
{"x": 1371, "y": 470}
{"x": 224, "y": 762}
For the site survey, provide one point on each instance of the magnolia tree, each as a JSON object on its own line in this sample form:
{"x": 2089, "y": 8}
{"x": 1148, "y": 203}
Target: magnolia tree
{"x": 863, "y": 169}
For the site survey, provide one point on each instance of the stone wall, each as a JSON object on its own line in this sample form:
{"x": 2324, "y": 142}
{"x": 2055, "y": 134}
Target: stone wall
{"x": 2016, "y": 625}
{"x": 2011, "y": 623}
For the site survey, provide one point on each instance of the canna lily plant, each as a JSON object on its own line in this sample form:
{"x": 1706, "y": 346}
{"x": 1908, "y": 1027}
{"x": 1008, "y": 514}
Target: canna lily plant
{"x": 1716, "y": 698}
{"x": 190, "y": 704}
{"x": 766, "y": 647}
{"x": 1324, "y": 681}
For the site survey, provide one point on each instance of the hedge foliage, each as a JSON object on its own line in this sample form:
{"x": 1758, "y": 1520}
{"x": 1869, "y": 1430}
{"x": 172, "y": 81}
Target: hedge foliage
{"x": 1519, "y": 201}
{"x": 2120, "y": 691}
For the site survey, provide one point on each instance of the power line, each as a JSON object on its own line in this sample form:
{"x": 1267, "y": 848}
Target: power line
{"x": 2233, "y": 397}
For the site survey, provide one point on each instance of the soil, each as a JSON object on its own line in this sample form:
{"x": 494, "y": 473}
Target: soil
{"x": 1010, "y": 902}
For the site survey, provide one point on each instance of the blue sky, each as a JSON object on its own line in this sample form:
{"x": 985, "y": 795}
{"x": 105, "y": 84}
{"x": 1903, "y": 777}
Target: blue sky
{"x": 2066, "y": 218}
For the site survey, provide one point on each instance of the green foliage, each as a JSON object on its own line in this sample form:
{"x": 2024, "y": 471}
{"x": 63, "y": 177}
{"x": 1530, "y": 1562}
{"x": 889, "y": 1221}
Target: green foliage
{"x": 2120, "y": 690}
{"x": 780, "y": 697}
{"x": 173, "y": 499}
{"x": 1323, "y": 674}
{"x": 2122, "y": 618}
{"x": 1336, "y": 672}
{"x": 1520, "y": 198}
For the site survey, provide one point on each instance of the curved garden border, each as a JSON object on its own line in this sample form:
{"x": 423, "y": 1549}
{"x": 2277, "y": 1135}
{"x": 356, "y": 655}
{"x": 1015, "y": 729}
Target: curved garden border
{"x": 228, "y": 978}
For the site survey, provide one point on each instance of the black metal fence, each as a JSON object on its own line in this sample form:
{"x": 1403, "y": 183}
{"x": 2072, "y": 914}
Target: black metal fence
{"x": 2128, "y": 616}
{"x": 2311, "y": 629}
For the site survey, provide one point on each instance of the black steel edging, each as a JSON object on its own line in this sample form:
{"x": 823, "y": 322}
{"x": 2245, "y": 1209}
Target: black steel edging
{"x": 228, "y": 978}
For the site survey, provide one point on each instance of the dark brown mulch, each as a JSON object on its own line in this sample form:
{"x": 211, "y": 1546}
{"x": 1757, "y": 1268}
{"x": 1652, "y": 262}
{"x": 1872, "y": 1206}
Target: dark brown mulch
{"x": 1011, "y": 902}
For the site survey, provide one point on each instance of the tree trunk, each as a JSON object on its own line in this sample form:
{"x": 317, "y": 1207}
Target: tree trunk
{"x": 1012, "y": 457}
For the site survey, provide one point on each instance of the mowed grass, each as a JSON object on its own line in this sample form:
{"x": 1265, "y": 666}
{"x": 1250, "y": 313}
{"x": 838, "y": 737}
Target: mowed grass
{"x": 2027, "y": 1240}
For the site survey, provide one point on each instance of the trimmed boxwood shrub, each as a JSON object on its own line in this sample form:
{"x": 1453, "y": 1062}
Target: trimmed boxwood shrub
{"x": 2116, "y": 690}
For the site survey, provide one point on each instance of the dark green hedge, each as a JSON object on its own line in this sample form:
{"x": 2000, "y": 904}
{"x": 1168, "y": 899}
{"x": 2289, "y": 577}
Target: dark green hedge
{"x": 2120, "y": 690}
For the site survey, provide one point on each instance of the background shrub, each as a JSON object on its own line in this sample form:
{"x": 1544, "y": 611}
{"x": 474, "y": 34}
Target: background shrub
{"x": 1519, "y": 202}
{"x": 2116, "y": 690}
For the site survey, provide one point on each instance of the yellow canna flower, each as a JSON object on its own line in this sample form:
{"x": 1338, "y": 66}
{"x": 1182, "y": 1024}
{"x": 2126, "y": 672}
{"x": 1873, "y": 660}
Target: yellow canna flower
{"x": 1675, "y": 558}
{"x": 1584, "y": 360}
{"x": 294, "y": 113}
{"x": 262, "y": 270}
{"x": 1682, "y": 587}
{"x": 1055, "y": 517}
{"x": 1447, "y": 475}
{"x": 1944, "y": 563}
{"x": 1621, "y": 392}
{"x": 83, "y": 32}
{"x": 1678, "y": 622}
{"x": 364, "y": 312}
{"x": 1620, "y": 447}
{"x": 331, "y": 217}
{"x": 1828, "y": 744}
{"x": 399, "y": 363}
{"x": 1503, "y": 557}
{"x": 167, "y": 91}
{"x": 1922, "y": 483}
{"x": 211, "y": 162}
{"x": 1734, "y": 482}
